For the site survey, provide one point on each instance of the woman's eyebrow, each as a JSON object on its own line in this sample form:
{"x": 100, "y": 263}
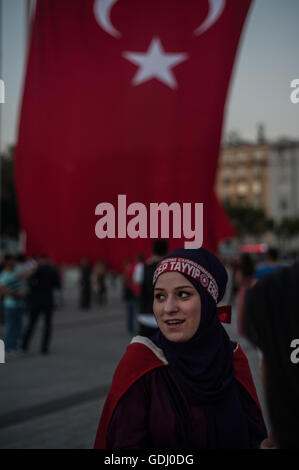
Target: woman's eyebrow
{"x": 179, "y": 287}
{"x": 184, "y": 287}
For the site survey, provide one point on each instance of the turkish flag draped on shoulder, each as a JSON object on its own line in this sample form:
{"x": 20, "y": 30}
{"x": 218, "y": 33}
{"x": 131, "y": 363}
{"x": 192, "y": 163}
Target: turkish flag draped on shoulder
{"x": 122, "y": 97}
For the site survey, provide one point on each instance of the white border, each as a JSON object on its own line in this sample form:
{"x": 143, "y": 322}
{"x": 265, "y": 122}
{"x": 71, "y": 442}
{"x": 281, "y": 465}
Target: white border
{"x": 149, "y": 344}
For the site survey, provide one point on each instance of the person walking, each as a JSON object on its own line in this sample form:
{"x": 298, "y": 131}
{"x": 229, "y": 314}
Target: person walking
{"x": 100, "y": 281}
{"x": 133, "y": 278}
{"x": 42, "y": 285}
{"x": 13, "y": 290}
{"x": 85, "y": 284}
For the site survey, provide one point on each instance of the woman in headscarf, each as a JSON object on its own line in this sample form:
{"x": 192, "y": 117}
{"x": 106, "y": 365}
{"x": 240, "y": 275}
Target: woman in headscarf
{"x": 190, "y": 386}
{"x": 271, "y": 323}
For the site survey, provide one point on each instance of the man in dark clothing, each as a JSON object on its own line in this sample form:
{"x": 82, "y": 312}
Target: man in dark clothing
{"x": 85, "y": 284}
{"x": 146, "y": 319}
{"x": 41, "y": 301}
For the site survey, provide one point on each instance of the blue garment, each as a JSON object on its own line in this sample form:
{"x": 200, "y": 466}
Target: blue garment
{"x": 14, "y": 321}
{"x": 10, "y": 280}
{"x": 267, "y": 269}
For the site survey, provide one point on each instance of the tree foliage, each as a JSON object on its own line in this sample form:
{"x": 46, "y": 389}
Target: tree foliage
{"x": 248, "y": 220}
{"x": 287, "y": 228}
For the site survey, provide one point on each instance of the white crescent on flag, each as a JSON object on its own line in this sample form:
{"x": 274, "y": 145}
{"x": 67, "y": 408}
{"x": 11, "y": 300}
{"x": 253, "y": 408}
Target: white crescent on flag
{"x": 215, "y": 11}
{"x": 102, "y": 10}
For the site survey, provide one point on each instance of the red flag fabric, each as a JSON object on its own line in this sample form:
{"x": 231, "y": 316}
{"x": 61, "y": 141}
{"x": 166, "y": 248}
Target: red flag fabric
{"x": 122, "y": 98}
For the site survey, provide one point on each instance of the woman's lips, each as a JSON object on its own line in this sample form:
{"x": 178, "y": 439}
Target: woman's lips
{"x": 175, "y": 323}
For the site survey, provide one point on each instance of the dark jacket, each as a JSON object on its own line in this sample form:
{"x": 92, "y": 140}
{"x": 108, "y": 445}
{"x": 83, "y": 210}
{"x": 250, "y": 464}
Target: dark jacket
{"x": 147, "y": 292}
{"x": 42, "y": 283}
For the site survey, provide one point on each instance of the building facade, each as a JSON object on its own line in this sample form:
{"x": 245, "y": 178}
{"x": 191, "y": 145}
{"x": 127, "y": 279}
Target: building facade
{"x": 262, "y": 175}
{"x": 243, "y": 175}
{"x": 284, "y": 177}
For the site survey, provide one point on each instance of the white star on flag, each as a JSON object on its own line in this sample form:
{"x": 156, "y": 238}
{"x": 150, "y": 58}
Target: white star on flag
{"x": 155, "y": 63}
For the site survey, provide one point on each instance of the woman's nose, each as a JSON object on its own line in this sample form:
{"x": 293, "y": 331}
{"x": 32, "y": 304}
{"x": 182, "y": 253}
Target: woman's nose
{"x": 171, "y": 304}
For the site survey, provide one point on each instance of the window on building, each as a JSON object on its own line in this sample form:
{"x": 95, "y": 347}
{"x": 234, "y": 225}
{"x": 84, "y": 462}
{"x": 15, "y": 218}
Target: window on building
{"x": 257, "y": 172}
{"x": 242, "y": 157}
{"x": 241, "y": 173}
{"x": 256, "y": 187}
{"x": 227, "y": 157}
{"x": 242, "y": 189}
{"x": 283, "y": 205}
{"x": 226, "y": 176}
{"x": 259, "y": 156}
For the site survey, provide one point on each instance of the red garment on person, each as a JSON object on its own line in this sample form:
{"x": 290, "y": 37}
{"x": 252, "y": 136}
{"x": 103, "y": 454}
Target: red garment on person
{"x": 140, "y": 359}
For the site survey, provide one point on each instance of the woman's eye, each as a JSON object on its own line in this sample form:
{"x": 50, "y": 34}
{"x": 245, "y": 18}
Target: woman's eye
{"x": 184, "y": 294}
{"x": 159, "y": 296}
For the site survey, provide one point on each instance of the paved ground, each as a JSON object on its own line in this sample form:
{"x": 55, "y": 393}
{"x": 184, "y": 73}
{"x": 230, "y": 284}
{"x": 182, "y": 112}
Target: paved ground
{"x": 55, "y": 401}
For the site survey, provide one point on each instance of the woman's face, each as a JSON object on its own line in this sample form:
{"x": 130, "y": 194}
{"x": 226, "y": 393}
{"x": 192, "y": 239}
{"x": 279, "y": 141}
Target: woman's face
{"x": 177, "y": 307}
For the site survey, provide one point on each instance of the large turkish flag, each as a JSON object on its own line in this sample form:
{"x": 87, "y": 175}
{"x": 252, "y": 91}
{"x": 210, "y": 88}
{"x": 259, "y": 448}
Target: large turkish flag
{"x": 122, "y": 98}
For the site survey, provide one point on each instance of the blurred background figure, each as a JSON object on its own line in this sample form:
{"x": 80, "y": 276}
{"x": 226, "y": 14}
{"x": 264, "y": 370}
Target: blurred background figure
{"x": 146, "y": 318}
{"x": 229, "y": 291}
{"x": 293, "y": 258}
{"x": 113, "y": 278}
{"x": 41, "y": 301}
{"x": 126, "y": 290}
{"x": 99, "y": 281}
{"x": 128, "y": 294}
{"x": 272, "y": 263}
{"x": 133, "y": 278}
{"x": 14, "y": 305}
{"x": 85, "y": 284}
{"x": 271, "y": 323}
{"x": 138, "y": 271}
{"x": 244, "y": 279}
{"x": 233, "y": 267}
{"x": 25, "y": 268}
{"x": 13, "y": 288}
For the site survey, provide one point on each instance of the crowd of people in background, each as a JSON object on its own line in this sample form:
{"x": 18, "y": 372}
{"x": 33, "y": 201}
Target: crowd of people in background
{"x": 93, "y": 283}
{"x": 27, "y": 288}
{"x": 247, "y": 271}
{"x": 264, "y": 291}
{"x": 30, "y": 287}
